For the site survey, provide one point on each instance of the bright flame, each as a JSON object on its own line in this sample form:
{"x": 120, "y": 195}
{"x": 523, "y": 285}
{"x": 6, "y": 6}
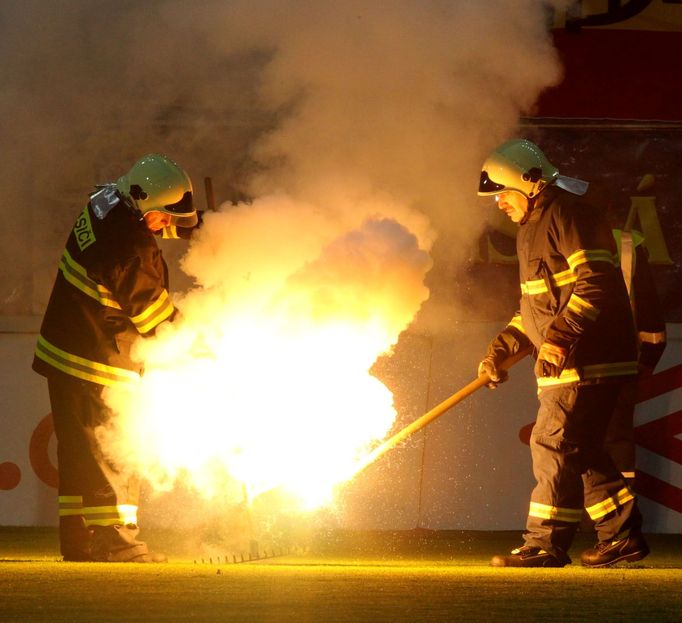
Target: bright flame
{"x": 270, "y": 388}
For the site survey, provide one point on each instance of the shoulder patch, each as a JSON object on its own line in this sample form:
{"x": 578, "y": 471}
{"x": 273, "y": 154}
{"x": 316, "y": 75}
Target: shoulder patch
{"x": 82, "y": 230}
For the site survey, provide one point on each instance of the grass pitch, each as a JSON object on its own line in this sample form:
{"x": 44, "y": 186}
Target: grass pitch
{"x": 341, "y": 576}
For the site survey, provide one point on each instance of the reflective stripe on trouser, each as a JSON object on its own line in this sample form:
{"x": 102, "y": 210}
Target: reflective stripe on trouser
{"x": 70, "y": 505}
{"x": 74, "y": 537}
{"x": 573, "y": 470}
{"x": 121, "y": 514}
{"x": 91, "y": 490}
{"x": 116, "y": 515}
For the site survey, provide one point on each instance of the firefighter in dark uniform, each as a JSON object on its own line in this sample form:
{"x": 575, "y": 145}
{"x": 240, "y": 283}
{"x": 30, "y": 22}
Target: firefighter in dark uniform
{"x": 111, "y": 287}
{"x": 651, "y": 334}
{"x": 574, "y": 312}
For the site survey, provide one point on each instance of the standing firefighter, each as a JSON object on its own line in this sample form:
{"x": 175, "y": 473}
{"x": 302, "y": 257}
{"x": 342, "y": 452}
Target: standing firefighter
{"x": 576, "y": 314}
{"x": 111, "y": 287}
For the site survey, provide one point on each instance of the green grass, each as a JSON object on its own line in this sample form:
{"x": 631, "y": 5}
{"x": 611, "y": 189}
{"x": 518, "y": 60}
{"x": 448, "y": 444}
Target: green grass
{"x": 341, "y": 576}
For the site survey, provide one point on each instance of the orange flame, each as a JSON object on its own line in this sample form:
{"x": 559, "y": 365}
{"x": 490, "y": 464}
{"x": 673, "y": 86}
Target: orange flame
{"x": 272, "y": 390}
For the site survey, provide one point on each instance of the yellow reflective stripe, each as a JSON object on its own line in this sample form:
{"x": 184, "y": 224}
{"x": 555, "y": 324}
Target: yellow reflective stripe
{"x": 110, "y": 515}
{"x": 581, "y": 307}
{"x": 71, "y": 499}
{"x": 164, "y": 314}
{"x": 545, "y": 511}
{"x": 604, "y": 370}
{"x": 517, "y": 323}
{"x": 78, "y": 277}
{"x": 70, "y": 505}
{"x": 536, "y": 286}
{"x": 170, "y": 232}
{"x": 581, "y": 256}
{"x": 82, "y": 230}
{"x": 590, "y": 373}
{"x": 658, "y": 337}
{"x": 597, "y": 511}
{"x": 569, "y": 375}
{"x": 564, "y": 278}
{"x": 82, "y": 368}
{"x": 70, "y": 512}
{"x": 156, "y": 313}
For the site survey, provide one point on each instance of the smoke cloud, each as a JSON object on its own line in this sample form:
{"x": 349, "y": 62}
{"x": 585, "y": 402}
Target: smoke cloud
{"x": 331, "y": 103}
{"x": 343, "y": 138}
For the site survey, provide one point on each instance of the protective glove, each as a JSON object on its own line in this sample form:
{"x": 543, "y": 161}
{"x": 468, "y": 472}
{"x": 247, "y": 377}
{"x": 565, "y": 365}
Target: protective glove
{"x": 489, "y": 366}
{"x": 551, "y": 360}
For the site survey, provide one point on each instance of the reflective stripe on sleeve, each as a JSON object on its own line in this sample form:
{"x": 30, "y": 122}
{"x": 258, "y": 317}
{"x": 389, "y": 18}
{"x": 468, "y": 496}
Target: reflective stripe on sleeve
{"x": 82, "y": 368}
{"x": 581, "y": 307}
{"x": 78, "y": 277}
{"x": 538, "y": 286}
{"x": 517, "y": 323}
{"x": 582, "y": 256}
{"x": 546, "y": 511}
{"x": 155, "y": 314}
{"x": 597, "y": 511}
{"x": 566, "y": 277}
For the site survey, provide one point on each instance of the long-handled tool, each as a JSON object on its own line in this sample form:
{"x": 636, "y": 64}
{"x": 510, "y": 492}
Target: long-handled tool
{"x": 437, "y": 411}
{"x": 210, "y": 197}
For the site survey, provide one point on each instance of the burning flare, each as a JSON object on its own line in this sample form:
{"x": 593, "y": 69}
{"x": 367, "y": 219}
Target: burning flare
{"x": 263, "y": 381}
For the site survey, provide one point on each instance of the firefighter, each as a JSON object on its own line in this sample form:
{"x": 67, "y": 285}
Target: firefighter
{"x": 651, "y": 334}
{"x": 111, "y": 287}
{"x": 574, "y": 312}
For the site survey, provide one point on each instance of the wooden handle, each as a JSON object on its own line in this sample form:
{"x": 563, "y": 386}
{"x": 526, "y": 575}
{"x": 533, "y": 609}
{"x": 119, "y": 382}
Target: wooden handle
{"x": 437, "y": 411}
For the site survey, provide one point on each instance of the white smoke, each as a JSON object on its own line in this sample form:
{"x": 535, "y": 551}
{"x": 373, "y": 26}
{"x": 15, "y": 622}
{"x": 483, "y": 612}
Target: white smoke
{"x": 317, "y": 99}
{"x": 355, "y": 131}
{"x": 403, "y": 97}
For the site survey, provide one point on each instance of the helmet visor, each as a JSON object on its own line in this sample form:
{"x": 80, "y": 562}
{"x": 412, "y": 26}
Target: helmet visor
{"x": 487, "y": 187}
{"x": 183, "y": 212}
{"x": 182, "y": 207}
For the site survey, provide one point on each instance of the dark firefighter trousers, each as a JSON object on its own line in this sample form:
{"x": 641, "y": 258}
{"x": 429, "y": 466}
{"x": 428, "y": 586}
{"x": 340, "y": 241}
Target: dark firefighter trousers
{"x": 574, "y": 471}
{"x": 88, "y": 482}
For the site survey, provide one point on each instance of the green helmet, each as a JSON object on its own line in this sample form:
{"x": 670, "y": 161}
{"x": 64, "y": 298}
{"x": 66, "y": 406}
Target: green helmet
{"x": 517, "y": 165}
{"x": 157, "y": 184}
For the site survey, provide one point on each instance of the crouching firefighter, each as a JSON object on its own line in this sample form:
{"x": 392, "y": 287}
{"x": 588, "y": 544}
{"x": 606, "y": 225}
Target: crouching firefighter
{"x": 111, "y": 287}
{"x": 574, "y": 310}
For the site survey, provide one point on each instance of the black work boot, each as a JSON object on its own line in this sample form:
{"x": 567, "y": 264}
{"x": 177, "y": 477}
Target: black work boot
{"x": 119, "y": 544}
{"x": 149, "y": 557}
{"x": 527, "y": 556}
{"x": 75, "y": 540}
{"x": 630, "y": 548}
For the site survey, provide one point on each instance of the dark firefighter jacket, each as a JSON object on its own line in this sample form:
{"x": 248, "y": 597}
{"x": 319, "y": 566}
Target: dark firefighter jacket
{"x": 111, "y": 287}
{"x": 572, "y": 292}
{"x": 646, "y": 306}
